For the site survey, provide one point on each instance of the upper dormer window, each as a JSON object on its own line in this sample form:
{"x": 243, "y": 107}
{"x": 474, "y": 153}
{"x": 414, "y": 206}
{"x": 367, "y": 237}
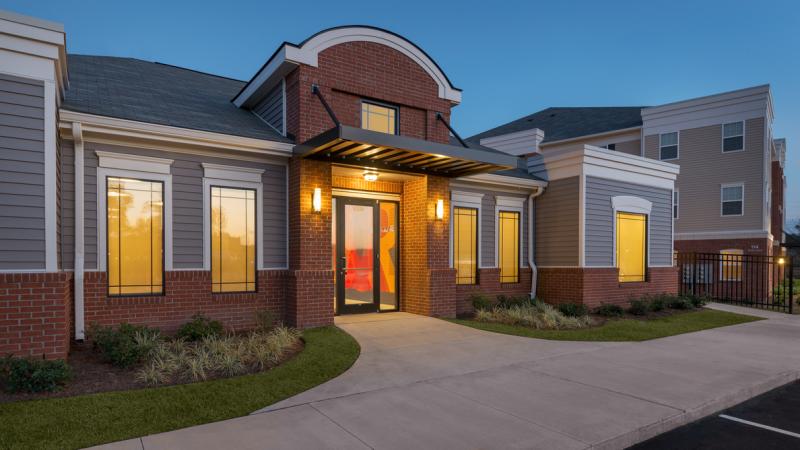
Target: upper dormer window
{"x": 377, "y": 117}
{"x": 668, "y": 146}
{"x": 733, "y": 137}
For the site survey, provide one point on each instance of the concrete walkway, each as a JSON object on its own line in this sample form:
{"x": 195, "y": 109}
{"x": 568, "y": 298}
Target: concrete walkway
{"x": 425, "y": 383}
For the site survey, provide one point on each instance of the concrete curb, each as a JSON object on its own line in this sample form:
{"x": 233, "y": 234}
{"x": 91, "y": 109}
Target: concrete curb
{"x": 654, "y": 429}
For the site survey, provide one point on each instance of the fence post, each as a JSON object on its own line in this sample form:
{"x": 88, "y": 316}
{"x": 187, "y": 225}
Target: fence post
{"x": 791, "y": 284}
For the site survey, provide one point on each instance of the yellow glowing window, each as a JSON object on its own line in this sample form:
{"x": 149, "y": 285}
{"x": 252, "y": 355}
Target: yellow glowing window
{"x": 378, "y": 118}
{"x": 731, "y": 264}
{"x": 508, "y": 246}
{"x": 135, "y": 220}
{"x": 631, "y": 246}
{"x": 465, "y": 244}
{"x": 233, "y": 240}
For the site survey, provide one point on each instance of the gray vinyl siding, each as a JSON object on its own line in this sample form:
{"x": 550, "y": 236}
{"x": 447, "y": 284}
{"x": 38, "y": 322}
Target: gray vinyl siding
{"x": 67, "y": 189}
{"x": 629, "y": 147}
{"x": 486, "y": 227}
{"x": 600, "y": 221}
{"x": 704, "y": 168}
{"x": 271, "y": 108}
{"x": 187, "y": 205}
{"x": 556, "y": 215}
{"x": 22, "y": 210}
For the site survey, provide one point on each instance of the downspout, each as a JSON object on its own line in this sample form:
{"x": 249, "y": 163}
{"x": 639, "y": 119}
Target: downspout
{"x": 532, "y": 238}
{"x": 77, "y": 136}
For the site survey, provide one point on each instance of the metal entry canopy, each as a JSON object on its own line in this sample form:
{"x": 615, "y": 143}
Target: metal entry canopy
{"x": 356, "y": 146}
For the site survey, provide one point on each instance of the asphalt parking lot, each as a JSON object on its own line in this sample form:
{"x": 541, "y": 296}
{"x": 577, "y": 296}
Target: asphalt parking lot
{"x": 769, "y": 421}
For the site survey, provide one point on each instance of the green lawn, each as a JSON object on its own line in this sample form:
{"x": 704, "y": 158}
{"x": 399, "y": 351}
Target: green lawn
{"x": 624, "y": 329}
{"x": 82, "y": 421}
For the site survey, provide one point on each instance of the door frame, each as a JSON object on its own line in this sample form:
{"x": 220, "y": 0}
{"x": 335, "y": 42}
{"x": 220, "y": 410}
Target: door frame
{"x": 339, "y": 294}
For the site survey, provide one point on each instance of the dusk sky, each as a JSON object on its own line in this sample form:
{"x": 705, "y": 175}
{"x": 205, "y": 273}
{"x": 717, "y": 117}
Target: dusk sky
{"x": 510, "y": 58}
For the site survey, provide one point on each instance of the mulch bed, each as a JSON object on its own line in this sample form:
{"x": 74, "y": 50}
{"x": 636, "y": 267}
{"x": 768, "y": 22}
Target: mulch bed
{"x": 90, "y": 375}
{"x": 598, "y": 320}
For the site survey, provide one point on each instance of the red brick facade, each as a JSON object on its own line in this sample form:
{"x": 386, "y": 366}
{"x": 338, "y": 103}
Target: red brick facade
{"x": 595, "y": 286}
{"x": 777, "y": 213}
{"x": 761, "y": 246}
{"x": 35, "y": 314}
{"x": 186, "y": 293}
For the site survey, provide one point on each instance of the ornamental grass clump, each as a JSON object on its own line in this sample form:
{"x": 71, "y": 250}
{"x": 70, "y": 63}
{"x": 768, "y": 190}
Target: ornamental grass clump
{"x": 533, "y": 314}
{"x": 215, "y": 356}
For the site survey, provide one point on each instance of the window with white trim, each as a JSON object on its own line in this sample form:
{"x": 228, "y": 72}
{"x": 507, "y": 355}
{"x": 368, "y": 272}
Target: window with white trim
{"x": 732, "y": 199}
{"x": 668, "y": 146}
{"x": 508, "y": 250}
{"x": 731, "y": 264}
{"x": 675, "y": 204}
{"x": 733, "y": 137}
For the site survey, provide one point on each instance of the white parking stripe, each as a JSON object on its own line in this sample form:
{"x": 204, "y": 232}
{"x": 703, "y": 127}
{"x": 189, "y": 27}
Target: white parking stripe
{"x": 766, "y": 427}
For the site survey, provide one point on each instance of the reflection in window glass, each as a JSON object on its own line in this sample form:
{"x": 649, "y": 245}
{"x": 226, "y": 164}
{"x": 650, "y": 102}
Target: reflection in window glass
{"x": 135, "y": 218}
{"x": 631, "y": 244}
{"x": 388, "y": 255}
{"x": 465, "y": 244}
{"x": 233, "y": 240}
{"x": 358, "y": 254}
{"x": 378, "y": 118}
{"x": 731, "y": 263}
{"x": 508, "y": 247}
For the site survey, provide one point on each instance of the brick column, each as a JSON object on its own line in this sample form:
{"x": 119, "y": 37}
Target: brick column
{"x": 309, "y": 293}
{"x": 428, "y": 282}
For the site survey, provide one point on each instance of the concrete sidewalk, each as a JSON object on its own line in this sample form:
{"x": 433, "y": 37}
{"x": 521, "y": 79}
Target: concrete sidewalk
{"x": 426, "y": 383}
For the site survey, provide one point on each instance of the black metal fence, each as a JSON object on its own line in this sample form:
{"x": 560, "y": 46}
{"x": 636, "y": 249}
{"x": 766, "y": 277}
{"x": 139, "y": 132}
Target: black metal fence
{"x": 750, "y": 280}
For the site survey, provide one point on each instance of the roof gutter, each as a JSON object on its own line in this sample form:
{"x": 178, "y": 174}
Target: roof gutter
{"x": 590, "y": 136}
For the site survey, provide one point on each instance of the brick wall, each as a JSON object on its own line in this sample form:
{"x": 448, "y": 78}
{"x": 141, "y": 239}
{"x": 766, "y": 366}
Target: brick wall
{"x": 595, "y": 286}
{"x": 309, "y": 300}
{"x": 749, "y": 246}
{"x": 35, "y": 314}
{"x": 777, "y": 213}
{"x": 489, "y": 284}
{"x": 186, "y": 293}
{"x": 352, "y": 71}
{"x": 391, "y": 187}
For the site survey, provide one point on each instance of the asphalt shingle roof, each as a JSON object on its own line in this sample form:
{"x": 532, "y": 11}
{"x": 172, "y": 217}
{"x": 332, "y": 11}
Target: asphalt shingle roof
{"x": 144, "y": 91}
{"x": 565, "y": 123}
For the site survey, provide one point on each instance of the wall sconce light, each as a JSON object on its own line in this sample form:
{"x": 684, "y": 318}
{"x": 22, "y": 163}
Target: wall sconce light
{"x": 440, "y": 209}
{"x": 316, "y": 200}
{"x": 370, "y": 175}
{"x": 781, "y": 261}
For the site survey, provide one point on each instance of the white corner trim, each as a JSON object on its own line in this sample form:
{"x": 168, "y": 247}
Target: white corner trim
{"x": 627, "y": 203}
{"x": 102, "y": 213}
{"x": 233, "y": 173}
{"x": 308, "y": 54}
{"x": 582, "y": 220}
{"x": 232, "y": 183}
{"x": 138, "y": 163}
{"x": 50, "y": 170}
{"x": 79, "y": 261}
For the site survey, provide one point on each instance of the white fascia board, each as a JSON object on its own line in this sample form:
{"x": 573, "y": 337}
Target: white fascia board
{"x": 727, "y": 107}
{"x": 631, "y": 130}
{"x": 503, "y": 181}
{"x": 518, "y": 143}
{"x": 728, "y": 234}
{"x": 272, "y": 73}
{"x": 110, "y": 127}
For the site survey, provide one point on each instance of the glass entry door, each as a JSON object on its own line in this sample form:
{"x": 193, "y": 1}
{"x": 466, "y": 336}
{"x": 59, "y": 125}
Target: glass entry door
{"x": 365, "y": 240}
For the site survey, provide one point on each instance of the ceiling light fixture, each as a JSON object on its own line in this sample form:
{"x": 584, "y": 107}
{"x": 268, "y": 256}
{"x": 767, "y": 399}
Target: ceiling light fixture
{"x": 370, "y": 176}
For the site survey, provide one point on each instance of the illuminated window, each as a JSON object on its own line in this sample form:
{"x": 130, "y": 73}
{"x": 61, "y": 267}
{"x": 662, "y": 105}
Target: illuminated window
{"x": 135, "y": 223}
{"x": 508, "y": 246}
{"x": 668, "y": 146}
{"x": 378, "y": 118}
{"x": 465, "y": 244}
{"x": 732, "y": 200}
{"x": 631, "y": 246}
{"x": 731, "y": 264}
{"x": 233, "y": 239}
{"x": 733, "y": 137}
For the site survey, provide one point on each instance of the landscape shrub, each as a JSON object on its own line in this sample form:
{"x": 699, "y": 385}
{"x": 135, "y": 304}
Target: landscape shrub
{"x": 609, "y": 310}
{"x": 126, "y": 345}
{"x": 508, "y": 301}
{"x": 217, "y": 355}
{"x": 698, "y": 301}
{"x": 33, "y": 375}
{"x": 639, "y": 307}
{"x": 573, "y": 310}
{"x": 657, "y": 303}
{"x": 677, "y": 302}
{"x": 481, "y": 302}
{"x": 265, "y": 320}
{"x": 537, "y": 315}
{"x": 199, "y": 327}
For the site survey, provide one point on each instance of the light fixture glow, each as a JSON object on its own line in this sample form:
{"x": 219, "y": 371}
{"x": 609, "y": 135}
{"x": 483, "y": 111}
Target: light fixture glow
{"x": 781, "y": 261}
{"x": 316, "y": 200}
{"x": 440, "y": 209}
{"x": 370, "y": 176}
